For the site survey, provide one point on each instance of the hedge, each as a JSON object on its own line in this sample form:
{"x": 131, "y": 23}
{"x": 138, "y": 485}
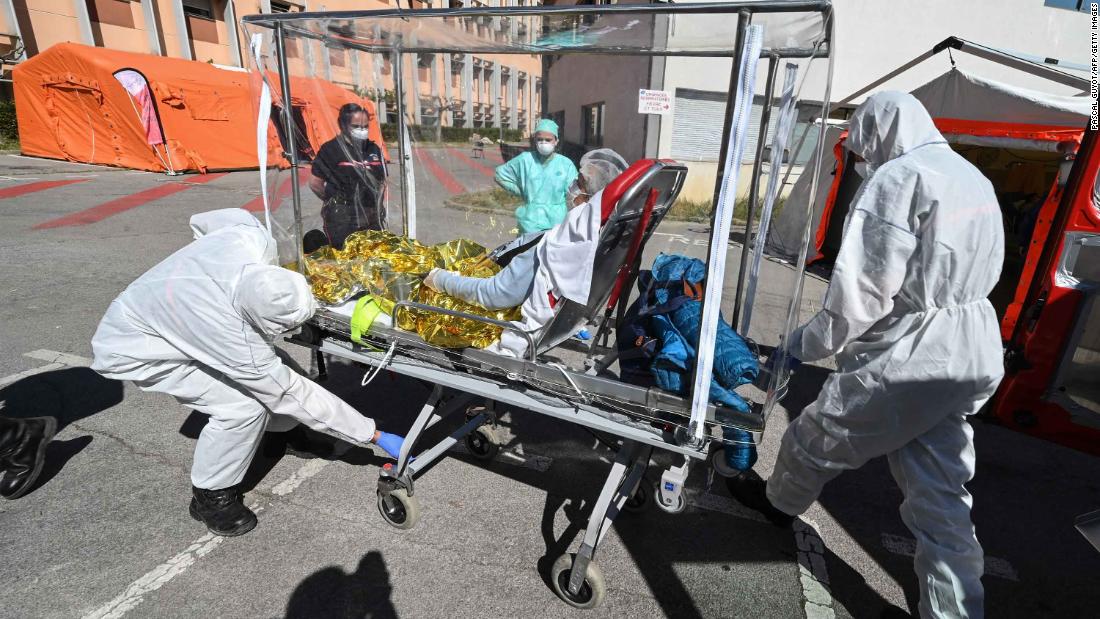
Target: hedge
{"x": 423, "y": 133}
{"x": 8, "y": 129}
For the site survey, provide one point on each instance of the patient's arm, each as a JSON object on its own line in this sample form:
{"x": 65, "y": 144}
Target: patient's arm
{"x": 506, "y": 289}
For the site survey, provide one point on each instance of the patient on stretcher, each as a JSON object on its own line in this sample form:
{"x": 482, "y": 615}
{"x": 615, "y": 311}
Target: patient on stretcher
{"x": 520, "y": 258}
{"x": 517, "y": 282}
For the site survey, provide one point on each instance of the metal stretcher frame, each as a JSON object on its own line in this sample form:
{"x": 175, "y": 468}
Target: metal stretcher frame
{"x": 461, "y": 379}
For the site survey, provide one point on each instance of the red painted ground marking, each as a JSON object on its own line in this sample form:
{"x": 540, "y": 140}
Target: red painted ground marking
{"x": 256, "y": 205}
{"x": 449, "y": 182}
{"x": 19, "y": 190}
{"x": 125, "y": 203}
{"x": 484, "y": 169}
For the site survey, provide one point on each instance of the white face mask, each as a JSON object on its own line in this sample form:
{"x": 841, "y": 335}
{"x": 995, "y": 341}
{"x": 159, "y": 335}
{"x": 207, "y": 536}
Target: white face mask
{"x": 359, "y": 134}
{"x": 545, "y": 148}
{"x": 573, "y": 193}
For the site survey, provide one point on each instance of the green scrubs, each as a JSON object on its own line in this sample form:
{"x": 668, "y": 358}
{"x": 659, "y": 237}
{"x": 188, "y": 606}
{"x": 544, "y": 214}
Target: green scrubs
{"x": 541, "y": 182}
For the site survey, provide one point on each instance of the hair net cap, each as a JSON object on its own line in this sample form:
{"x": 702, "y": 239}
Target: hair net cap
{"x": 273, "y": 299}
{"x": 601, "y": 166}
{"x": 547, "y": 126}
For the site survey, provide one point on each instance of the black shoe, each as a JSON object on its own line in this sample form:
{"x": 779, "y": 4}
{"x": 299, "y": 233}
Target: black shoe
{"x": 752, "y": 492}
{"x": 22, "y": 452}
{"x": 222, "y": 511}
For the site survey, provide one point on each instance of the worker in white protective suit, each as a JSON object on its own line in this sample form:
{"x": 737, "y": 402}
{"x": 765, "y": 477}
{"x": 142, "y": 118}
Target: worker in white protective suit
{"x": 917, "y": 347}
{"x": 200, "y": 327}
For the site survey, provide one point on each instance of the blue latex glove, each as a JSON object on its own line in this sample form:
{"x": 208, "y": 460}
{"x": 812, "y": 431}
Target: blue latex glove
{"x": 391, "y": 443}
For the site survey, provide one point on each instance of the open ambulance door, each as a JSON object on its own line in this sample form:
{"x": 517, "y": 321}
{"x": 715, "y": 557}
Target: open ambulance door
{"x": 1052, "y": 360}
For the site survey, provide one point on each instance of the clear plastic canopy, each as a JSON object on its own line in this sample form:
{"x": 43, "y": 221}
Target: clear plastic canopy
{"x": 467, "y": 88}
{"x": 792, "y": 28}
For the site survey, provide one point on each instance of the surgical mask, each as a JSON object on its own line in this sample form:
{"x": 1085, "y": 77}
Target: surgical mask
{"x": 545, "y": 148}
{"x": 863, "y": 169}
{"x": 573, "y": 193}
{"x": 359, "y": 134}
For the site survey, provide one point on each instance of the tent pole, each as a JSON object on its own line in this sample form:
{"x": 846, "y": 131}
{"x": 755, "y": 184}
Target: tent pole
{"x": 292, "y": 156}
{"x": 754, "y": 191}
{"x": 399, "y": 97}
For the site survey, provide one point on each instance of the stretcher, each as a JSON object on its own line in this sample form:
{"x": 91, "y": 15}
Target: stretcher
{"x": 644, "y": 419}
{"x": 557, "y": 377}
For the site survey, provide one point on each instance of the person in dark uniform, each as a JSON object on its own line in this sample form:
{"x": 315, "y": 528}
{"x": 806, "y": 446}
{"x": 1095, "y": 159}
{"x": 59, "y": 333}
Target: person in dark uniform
{"x": 349, "y": 175}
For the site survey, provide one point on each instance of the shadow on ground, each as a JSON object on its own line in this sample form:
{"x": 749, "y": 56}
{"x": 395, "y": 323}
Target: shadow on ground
{"x": 68, "y": 395}
{"x": 332, "y": 593}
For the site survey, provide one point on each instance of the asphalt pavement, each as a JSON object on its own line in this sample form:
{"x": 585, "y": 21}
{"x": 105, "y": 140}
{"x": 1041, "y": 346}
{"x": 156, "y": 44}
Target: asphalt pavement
{"x": 106, "y": 533}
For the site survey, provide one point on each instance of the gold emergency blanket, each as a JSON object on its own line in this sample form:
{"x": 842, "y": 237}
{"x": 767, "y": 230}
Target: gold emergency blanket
{"x": 392, "y": 268}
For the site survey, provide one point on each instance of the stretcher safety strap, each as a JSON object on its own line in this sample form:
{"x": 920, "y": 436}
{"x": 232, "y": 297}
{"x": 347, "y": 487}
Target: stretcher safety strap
{"x": 779, "y": 145}
{"x": 723, "y": 217}
{"x": 362, "y": 317}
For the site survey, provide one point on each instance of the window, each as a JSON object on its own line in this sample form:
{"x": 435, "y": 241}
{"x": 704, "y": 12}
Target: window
{"x": 593, "y": 119}
{"x": 278, "y": 6}
{"x": 198, "y": 8}
{"x": 111, "y": 12}
{"x": 1073, "y": 5}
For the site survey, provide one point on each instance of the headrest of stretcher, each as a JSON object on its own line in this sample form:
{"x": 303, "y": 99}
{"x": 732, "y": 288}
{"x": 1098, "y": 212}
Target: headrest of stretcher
{"x": 615, "y": 190}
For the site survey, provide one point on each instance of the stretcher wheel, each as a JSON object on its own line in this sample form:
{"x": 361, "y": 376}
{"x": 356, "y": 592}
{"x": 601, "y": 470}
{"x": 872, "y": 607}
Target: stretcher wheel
{"x": 676, "y": 508}
{"x": 593, "y": 589}
{"x": 719, "y": 464}
{"x": 482, "y": 444}
{"x": 637, "y": 501}
{"x": 399, "y": 509}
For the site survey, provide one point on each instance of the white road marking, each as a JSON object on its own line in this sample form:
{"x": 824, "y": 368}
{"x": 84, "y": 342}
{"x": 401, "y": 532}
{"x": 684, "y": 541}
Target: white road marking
{"x": 813, "y": 575}
{"x": 39, "y": 159}
{"x": 19, "y": 178}
{"x": 307, "y": 470}
{"x": 57, "y": 361}
{"x": 59, "y": 357}
{"x": 7, "y": 380}
{"x": 515, "y": 457}
{"x": 719, "y": 503}
{"x": 905, "y": 546}
{"x": 160, "y": 575}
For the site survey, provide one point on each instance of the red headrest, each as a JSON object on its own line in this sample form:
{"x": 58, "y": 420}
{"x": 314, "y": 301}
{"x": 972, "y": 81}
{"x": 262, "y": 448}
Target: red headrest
{"x": 615, "y": 190}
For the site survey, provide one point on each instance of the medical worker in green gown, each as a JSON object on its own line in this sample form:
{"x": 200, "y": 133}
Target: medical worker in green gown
{"x": 541, "y": 177}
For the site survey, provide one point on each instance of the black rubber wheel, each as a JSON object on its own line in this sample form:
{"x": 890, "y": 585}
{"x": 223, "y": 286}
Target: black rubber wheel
{"x": 482, "y": 444}
{"x": 681, "y": 502}
{"x": 638, "y": 501}
{"x": 398, "y": 509}
{"x": 593, "y": 589}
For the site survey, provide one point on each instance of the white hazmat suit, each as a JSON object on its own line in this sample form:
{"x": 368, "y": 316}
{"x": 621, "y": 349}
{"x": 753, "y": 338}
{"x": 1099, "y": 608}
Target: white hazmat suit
{"x": 917, "y": 344}
{"x": 200, "y": 327}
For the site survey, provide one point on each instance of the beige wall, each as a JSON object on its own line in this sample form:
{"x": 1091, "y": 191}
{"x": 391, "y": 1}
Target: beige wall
{"x": 55, "y": 21}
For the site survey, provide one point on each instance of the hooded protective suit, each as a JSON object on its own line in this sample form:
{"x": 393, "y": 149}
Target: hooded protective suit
{"x": 917, "y": 344}
{"x": 200, "y": 326}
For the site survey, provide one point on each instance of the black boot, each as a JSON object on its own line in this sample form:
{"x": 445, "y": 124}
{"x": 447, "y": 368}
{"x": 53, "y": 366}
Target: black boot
{"x": 22, "y": 452}
{"x": 752, "y": 492}
{"x": 222, "y": 511}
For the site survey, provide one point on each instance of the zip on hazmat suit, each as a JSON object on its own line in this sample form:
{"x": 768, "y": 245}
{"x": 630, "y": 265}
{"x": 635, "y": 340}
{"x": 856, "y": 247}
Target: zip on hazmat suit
{"x": 200, "y": 327}
{"x": 917, "y": 344}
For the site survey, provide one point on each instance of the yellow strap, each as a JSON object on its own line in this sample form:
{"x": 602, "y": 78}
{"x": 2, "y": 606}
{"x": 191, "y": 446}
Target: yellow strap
{"x": 366, "y": 310}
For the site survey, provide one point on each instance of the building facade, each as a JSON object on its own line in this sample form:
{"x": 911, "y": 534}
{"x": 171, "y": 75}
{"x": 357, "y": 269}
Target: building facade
{"x": 459, "y": 90}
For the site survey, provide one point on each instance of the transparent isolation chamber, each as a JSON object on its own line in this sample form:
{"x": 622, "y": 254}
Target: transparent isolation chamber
{"x": 466, "y": 88}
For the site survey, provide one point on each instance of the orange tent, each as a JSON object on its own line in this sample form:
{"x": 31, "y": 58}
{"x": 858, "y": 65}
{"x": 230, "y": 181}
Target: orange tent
{"x": 146, "y": 112}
